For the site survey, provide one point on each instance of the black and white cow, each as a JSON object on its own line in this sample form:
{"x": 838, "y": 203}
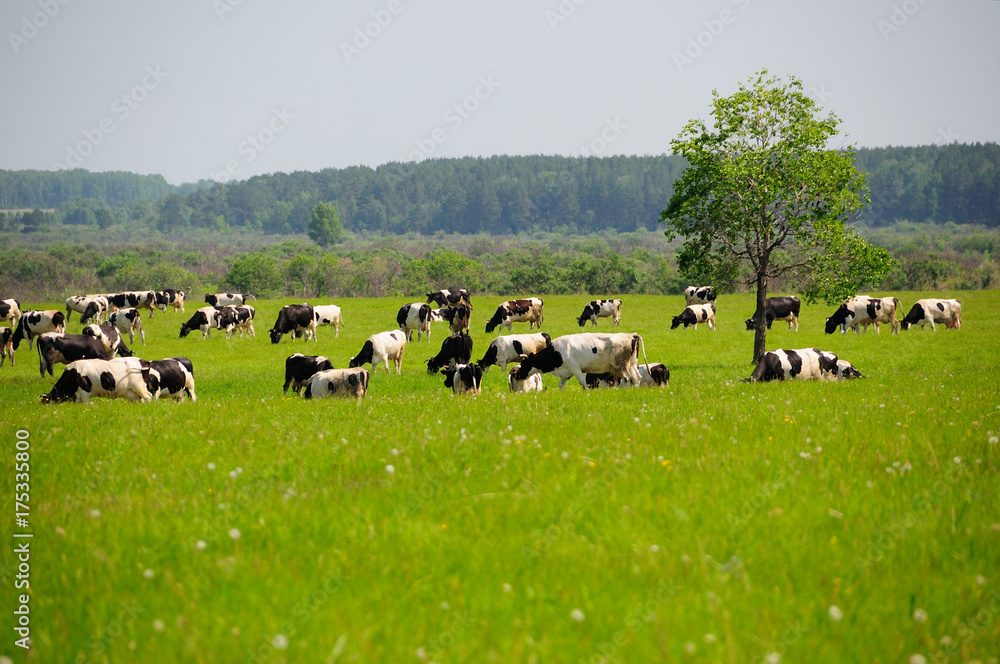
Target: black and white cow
{"x": 338, "y": 382}
{"x": 169, "y": 297}
{"x": 128, "y": 321}
{"x": 517, "y": 311}
{"x": 885, "y": 314}
{"x": 88, "y": 307}
{"x": 512, "y": 348}
{"x": 459, "y": 317}
{"x": 300, "y": 368}
{"x": 224, "y": 299}
{"x": 33, "y": 323}
{"x": 172, "y": 378}
{"x": 694, "y": 314}
{"x": 10, "y": 309}
{"x": 699, "y": 294}
{"x": 294, "y": 319}
{"x": 120, "y": 378}
{"x": 449, "y": 298}
{"x": 56, "y": 348}
{"x": 202, "y": 320}
{"x": 601, "y": 381}
{"x": 379, "y": 349}
{"x": 110, "y": 338}
{"x": 650, "y": 375}
{"x": 133, "y": 299}
{"x": 601, "y": 309}
{"x": 6, "y": 345}
{"x": 231, "y": 318}
{"x": 932, "y": 311}
{"x": 454, "y": 350}
{"x": 575, "y": 355}
{"x": 415, "y": 316}
{"x": 328, "y": 314}
{"x": 779, "y": 308}
{"x": 800, "y": 364}
{"x": 846, "y": 371}
{"x": 532, "y": 383}
{"x": 464, "y": 378}
{"x": 853, "y": 314}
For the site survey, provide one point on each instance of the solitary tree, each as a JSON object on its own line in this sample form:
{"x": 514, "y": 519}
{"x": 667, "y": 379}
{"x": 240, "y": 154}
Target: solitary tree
{"x": 764, "y": 197}
{"x": 324, "y": 225}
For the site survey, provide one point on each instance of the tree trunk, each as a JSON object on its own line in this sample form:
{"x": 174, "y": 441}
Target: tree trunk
{"x": 760, "y": 330}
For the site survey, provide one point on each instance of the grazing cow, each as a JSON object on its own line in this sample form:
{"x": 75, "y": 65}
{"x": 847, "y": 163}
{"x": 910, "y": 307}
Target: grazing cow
{"x": 33, "y": 323}
{"x": 575, "y": 355}
{"x": 454, "y": 350}
{"x": 231, "y": 318}
{"x": 294, "y": 319}
{"x": 694, "y": 314}
{"x": 779, "y": 308}
{"x": 130, "y": 321}
{"x": 532, "y": 383}
{"x": 601, "y": 309}
{"x": 699, "y": 294}
{"x": 415, "y": 316}
{"x": 224, "y": 299}
{"x": 120, "y": 378}
{"x": 169, "y": 297}
{"x": 6, "y": 345}
{"x": 853, "y": 314}
{"x": 601, "y": 381}
{"x": 650, "y": 375}
{"x": 447, "y": 298}
{"x": 459, "y": 317}
{"x": 88, "y": 307}
{"x": 517, "y": 311}
{"x": 10, "y": 309}
{"x": 203, "y": 320}
{"x": 512, "y": 348}
{"x": 340, "y": 382}
{"x": 110, "y": 338}
{"x": 379, "y": 349}
{"x": 885, "y": 314}
{"x": 55, "y": 348}
{"x": 464, "y": 378}
{"x": 328, "y": 314}
{"x": 930, "y": 311}
{"x": 172, "y": 378}
{"x": 802, "y": 364}
{"x": 300, "y": 368}
{"x": 133, "y": 299}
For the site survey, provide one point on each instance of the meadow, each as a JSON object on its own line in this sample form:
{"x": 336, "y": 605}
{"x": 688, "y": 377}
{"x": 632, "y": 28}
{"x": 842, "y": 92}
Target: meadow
{"x": 710, "y": 521}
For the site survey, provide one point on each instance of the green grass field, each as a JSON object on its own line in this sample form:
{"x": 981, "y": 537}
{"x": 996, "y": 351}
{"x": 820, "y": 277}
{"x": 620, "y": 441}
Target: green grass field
{"x": 711, "y": 521}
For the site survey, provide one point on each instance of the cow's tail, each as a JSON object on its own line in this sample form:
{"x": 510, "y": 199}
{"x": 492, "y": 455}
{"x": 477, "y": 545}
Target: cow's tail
{"x": 642, "y": 345}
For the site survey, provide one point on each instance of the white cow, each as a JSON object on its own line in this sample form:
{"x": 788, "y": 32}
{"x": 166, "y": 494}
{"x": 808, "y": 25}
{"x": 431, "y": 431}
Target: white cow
{"x": 380, "y": 348}
{"x": 800, "y": 364}
{"x": 119, "y": 378}
{"x": 338, "y": 382}
{"x": 575, "y": 355}
{"x": 532, "y": 383}
{"x": 933, "y": 311}
{"x": 328, "y": 314}
{"x": 512, "y": 348}
{"x": 128, "y": 321}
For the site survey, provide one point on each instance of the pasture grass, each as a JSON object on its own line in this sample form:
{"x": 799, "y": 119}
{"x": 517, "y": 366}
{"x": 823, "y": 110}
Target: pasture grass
{"x": 711, "y": 521}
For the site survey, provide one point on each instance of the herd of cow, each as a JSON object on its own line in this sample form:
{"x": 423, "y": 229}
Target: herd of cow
{"x": 98, "y": 363}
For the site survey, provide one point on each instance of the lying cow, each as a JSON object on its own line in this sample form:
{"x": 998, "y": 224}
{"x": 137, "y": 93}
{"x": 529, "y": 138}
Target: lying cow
{"x": 512, "y": 348}
{"x": 172, "y": 378}
{"x": 650, "y": 375}
{"x": 779, "y": 308}
{"x": 224, "y": 299}
{"x": 128, "y": 321}
{"x": 448, "y": 298}
{"x": 931, "y": 311}
{"x": 294, "y": 319}
{"x": 34, "y": 323}
{"x": 575, "y": 355}
{"x": 328, "y": 314}
{"x": 110, "y": 338}
{"x": 202, "y": 320}
{"x": 300, "y": 368}
{"x": 88, "y": 307}
{"x": 379, "y": 349}
{"x": 532, "y": 383}
{"x": 6, "y": 345}
{"x": 231, "y": 318}
{"x": 801, "y": 364}
{"x": 464, "y": 378}
{"x": 10, "y": 309}
{"x": 517, "y": 311}
{"x": 845, "y": 371}
{"x": 169, "y": 297}
{"x": 415, "y": 317}
{"x": 120, "y": 378}
{"x": 699, "y": 294}
{"x": 55, "y": 348}
{"x": 134, "y": 300}
{"x": 454, "y": 350}
{"x": 601, "y": 309}
{"x": 339, "y": 382}
{"x": 694, "y": 314}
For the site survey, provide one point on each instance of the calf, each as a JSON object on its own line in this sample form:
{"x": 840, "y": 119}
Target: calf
{"x": 379, "y": 349}
{"x": 464, "y": 378}
{"x": 854, "y": 313}
{"x": 601, "y": 309}
{"x": 120, "y": 378}
{"x": 575, "y": 355}
{"x": 454, "y": 350}
{"x": 55, "y": 348}
{"x": 654, "y": 375}
{"x": 224, "y": 299}
{"x": 512, "y": 348}
{"x": 10, "y": 309}
{"x": 172, "y": 378}
{"x": 340, "y": 382}
{"x": 33, "y": 323}
{"x": 231, "y": 318}
{"x": 459, "y": 317}
{"x": 300, "y": 368}
{"x": 517, "y": 311}
{"x": 6, "y": 345}
{"x": 447, "y": 298}
{"x": 133, "y": 299}
{"x": 601, "y": 381}
{"x": 88, "y": 307}
{"x": 694, "y": 314}
{"x": 779, "y": 308}
{"x": 110, "y": 338}
{"x": 328, "y": 314}
{"x": 415, "y": 316}
{"x": 203, "y": 320}
{"x": 699, "y": 294}
{"x": 930, "y": 311}
{"x": 168, "y": 297}
{"x": 532, "y": 383}
{"x": 802, "y": 364}
{"x": 130, "y": 321}
{"x": 294, "y": 319}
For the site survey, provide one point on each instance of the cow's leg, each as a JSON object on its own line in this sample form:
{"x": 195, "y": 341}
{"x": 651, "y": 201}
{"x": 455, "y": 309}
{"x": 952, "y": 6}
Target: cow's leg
{"x": 580, "y": 376}
{"x": 142, "y": 335}
{"x": 562, "y": 383}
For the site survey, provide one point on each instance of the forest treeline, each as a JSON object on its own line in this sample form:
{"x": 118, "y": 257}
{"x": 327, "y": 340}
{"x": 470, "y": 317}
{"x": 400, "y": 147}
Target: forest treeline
{"x": 500, "y": 195}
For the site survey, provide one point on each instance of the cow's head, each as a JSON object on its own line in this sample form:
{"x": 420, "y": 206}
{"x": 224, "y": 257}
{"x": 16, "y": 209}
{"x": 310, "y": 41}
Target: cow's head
{"x": 588, "y": 313}
{"x": 842, "y": 316}
{"x": 364, "y": 357}
{"x": 275, "y": 335}
{"x": 489, "y": 359}
{"x": 496, "y": 320}
{"x": 750, "y": 324}
{"x": 676, "y": 322}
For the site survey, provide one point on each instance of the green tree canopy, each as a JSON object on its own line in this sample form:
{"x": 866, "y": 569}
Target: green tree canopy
{"x": 324, "y": 225}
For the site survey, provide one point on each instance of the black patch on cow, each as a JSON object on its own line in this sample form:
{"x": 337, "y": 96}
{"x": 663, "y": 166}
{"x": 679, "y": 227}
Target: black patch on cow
{"x": 839, "y": 317}
{"x": 827, "y": 361}
{"x": 593, "y": 350}
{"x": 517, "y": 345}
{"x": 490, "y": 358}
{"x": 939, "y": 305}
{"x": 795, "y": 361}
{"x": 199, "y": 319}
{"x": 402, "y": 315}
{"x": 364, "y": 357}
{"x": 546, "y": 360}
{"x": 108, "y": 381}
